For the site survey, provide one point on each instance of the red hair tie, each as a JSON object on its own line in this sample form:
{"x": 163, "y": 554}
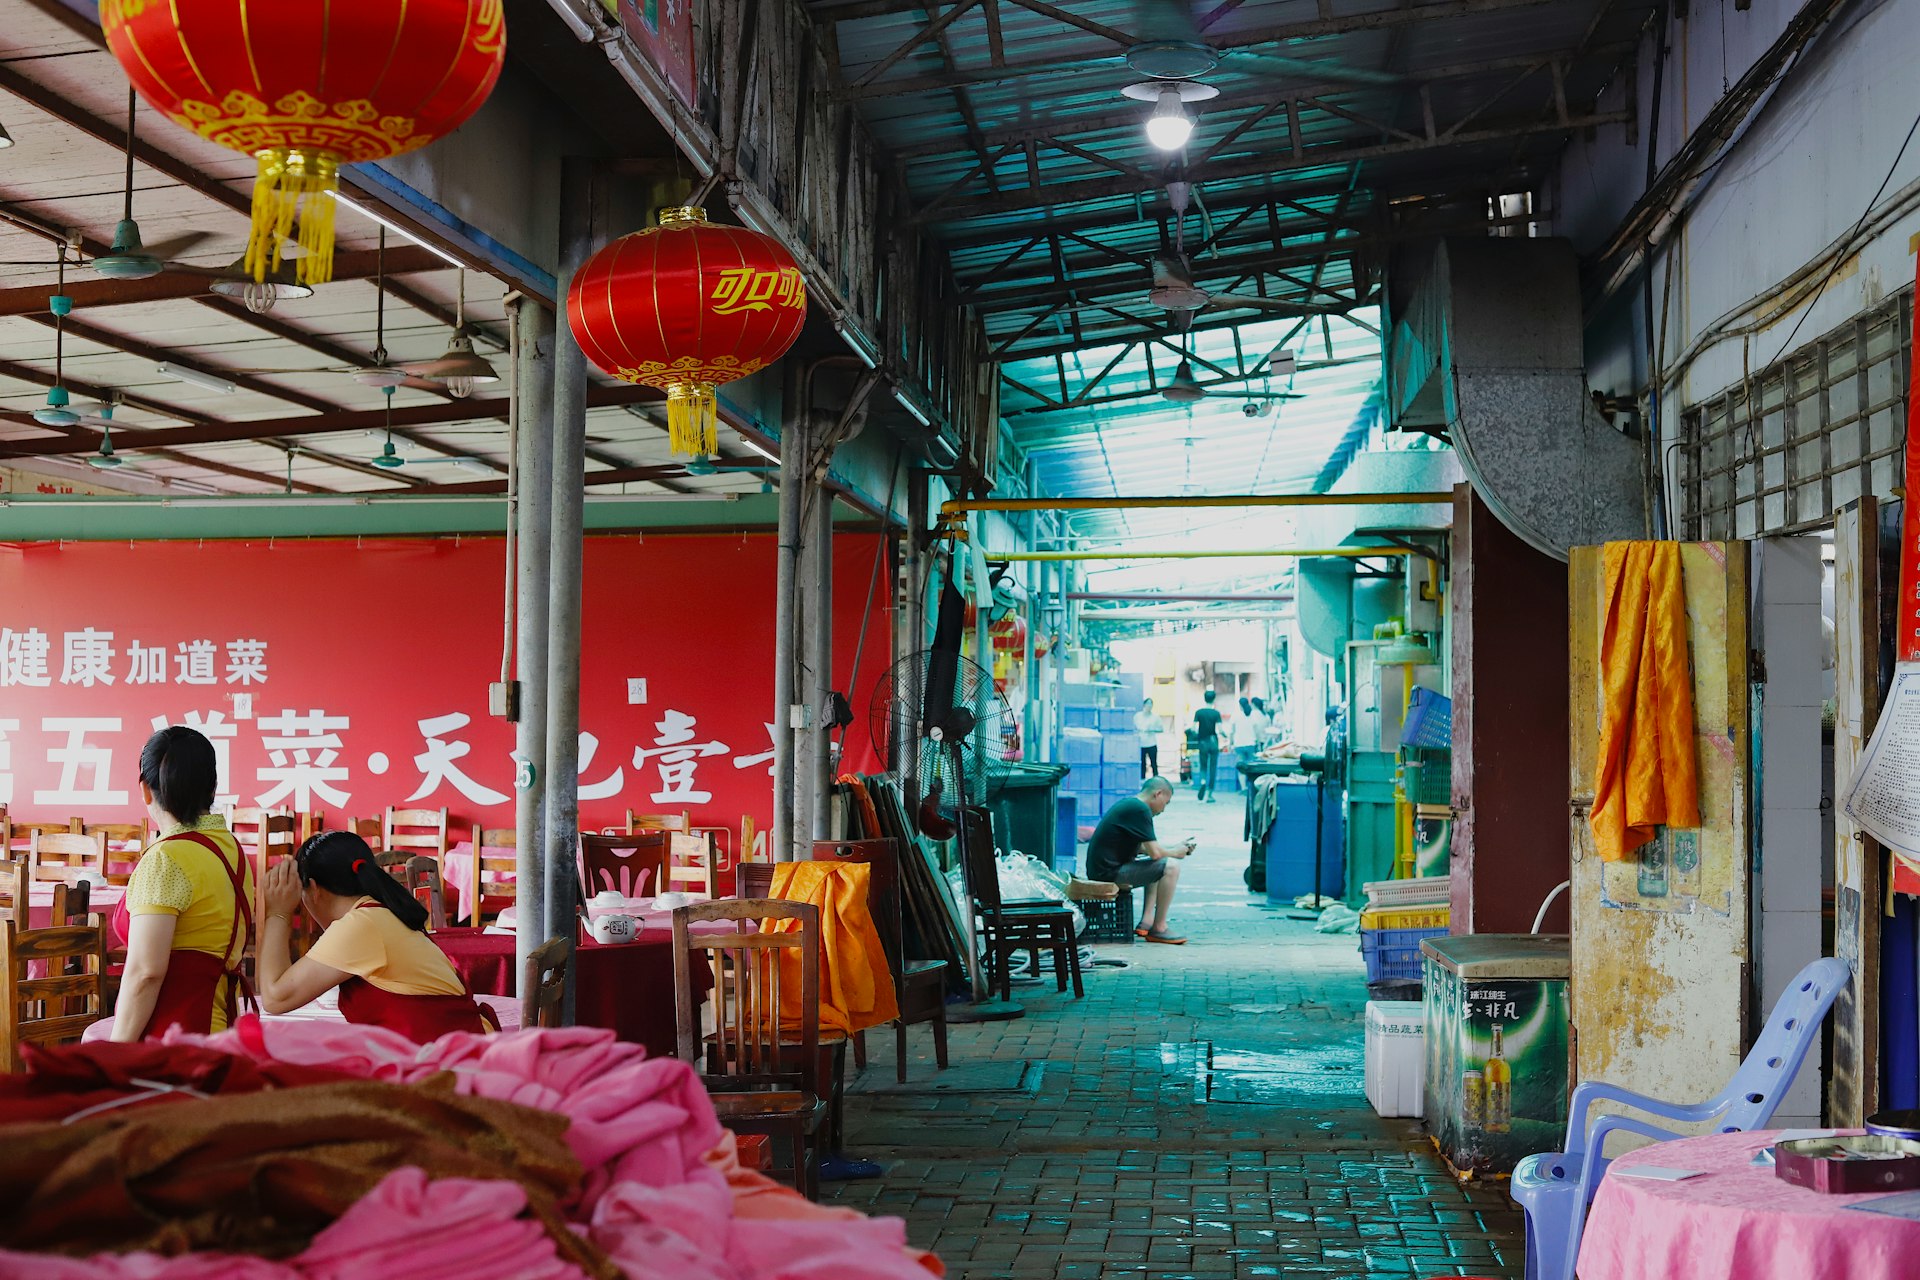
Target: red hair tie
{"x": 359, "y": 864}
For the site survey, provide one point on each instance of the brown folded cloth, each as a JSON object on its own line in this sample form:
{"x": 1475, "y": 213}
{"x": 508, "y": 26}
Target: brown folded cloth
{"x": 261, "y": 1173}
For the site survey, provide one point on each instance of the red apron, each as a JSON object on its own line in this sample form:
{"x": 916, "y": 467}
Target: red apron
{"x": 193, "y": 977}
{"x": 419, "y": 1018}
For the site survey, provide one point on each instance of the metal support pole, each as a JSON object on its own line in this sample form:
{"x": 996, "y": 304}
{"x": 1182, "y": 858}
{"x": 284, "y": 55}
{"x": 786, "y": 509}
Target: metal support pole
{"x": 818, "y": 643}
{"x": 564, "y": 594}
{"x": 959, "y": 505}
{"x": 533, "y": 515}
{"x": 793, "y": 466}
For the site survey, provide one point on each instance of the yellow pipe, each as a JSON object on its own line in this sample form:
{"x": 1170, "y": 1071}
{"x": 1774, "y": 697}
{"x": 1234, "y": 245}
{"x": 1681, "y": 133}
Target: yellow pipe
{"x": 1157, "y": 554}
{"x": 1208, "y": 500}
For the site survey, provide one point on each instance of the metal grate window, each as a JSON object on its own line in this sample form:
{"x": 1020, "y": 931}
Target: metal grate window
{"x": 1804, "y": 436}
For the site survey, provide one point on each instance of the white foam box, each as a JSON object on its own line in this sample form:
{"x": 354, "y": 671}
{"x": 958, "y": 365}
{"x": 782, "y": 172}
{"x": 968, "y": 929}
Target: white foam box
{"x": 1396, "y": 1056}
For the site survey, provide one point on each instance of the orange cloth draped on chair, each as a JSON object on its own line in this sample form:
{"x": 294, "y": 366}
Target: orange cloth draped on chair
{"x": 1648, "y": 775}
{"x": 856, "y": 987}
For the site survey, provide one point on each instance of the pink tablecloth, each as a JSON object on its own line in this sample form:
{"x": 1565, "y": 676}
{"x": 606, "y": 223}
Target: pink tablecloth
{"x": 456, "y": 870}
{"x": 1737, "y": 1222}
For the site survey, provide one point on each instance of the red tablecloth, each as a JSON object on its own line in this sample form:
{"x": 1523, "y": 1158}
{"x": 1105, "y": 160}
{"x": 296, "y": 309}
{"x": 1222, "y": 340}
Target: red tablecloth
{"x": 627, "y": 987}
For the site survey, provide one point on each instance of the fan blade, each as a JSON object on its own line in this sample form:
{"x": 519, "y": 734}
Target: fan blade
{"x": 1170, "y": 271}
{"x": 1315, "y": 68}
{"x": 1275, "y": 304}
{"x": 173, "y": 248}
{"x": 438, "y": 367}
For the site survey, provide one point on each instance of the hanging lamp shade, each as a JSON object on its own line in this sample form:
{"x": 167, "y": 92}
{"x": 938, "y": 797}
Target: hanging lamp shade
{"x": 683, "y": 307}
{"x": 307, "y": 86}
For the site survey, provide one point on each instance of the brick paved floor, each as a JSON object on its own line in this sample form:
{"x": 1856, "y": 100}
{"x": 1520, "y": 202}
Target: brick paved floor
{"x": 1199, "y": 1116}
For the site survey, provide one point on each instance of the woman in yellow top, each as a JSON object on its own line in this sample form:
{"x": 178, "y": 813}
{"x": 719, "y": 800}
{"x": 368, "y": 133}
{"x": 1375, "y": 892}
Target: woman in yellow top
{"x": 187, "y": 916}
{"x": 375, "y": 947}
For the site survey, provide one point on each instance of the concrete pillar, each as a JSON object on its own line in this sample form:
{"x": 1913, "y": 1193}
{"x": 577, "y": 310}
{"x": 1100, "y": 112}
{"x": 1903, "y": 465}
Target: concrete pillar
{"x": 817, "y": 646}
{"x": 793, "y": 465}
{"x": 562, "y": 809}
{"x": 532, "y": 514}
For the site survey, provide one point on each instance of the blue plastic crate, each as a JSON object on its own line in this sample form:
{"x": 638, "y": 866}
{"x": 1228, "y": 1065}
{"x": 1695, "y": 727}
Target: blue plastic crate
{"x": 1395, "y": 953}
{"x": 1116, "y": 720}
{"x": 1120, "y": 748}
{"x": 1066, "y": 830}
{"x": 1080, "y": 747}
{"x": 1080, "y": 717}
{"x": 1122, "y": 776}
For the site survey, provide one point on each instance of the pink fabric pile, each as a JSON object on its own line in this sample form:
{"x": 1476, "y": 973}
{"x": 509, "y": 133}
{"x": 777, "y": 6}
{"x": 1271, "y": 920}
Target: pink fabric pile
{"x": 664, "y": 1195}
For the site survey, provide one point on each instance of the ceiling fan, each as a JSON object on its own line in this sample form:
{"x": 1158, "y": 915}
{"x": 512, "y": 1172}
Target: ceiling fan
{"x": 460, "y": 368}
{"x": 1174, "y": 286}
{"x": 130, "y": 257}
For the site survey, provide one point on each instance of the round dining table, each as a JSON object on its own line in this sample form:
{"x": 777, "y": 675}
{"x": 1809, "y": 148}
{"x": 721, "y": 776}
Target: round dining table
{"x": 1739, "y": 1220}
{"x": 626, "y": 987}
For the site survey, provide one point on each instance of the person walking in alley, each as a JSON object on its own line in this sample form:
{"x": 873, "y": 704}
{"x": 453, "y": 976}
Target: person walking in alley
{"x": 1148, "y": 724}
{"x": 1206, "y": 732}
{"x": 1125, "y": 850}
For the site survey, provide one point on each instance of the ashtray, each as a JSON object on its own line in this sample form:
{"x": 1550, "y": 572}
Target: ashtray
{"x": 1895, "y": 1124}
{"x": 1849, "y": 1165}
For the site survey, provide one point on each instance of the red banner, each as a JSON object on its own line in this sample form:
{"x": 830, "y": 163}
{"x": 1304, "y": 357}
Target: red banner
{"x": 1909, "y": 641}
{"x": 349, "y": 676}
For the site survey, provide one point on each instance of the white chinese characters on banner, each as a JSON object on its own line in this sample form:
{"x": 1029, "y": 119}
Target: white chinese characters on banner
{"x": 146, "y": 663}
{"x": 78, "y": 754}
{"x": 677, "y": 756}
{"x": 302, "y": 750}
{"x": 759, "y": 757}
{"x": 194, "y": 663}
{"x": 218, "y": 731}
{"x": 6, "y": 759}
{"x": 23, "y": 658}
{"x": 89, "y": 658}
{"x": 246, "y": 662}
{"x": 437, "y": 764}
{"x": 607, "y": 787}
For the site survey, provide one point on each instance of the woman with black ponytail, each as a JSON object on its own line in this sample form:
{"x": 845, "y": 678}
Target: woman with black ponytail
{"x": 374, "y": 947}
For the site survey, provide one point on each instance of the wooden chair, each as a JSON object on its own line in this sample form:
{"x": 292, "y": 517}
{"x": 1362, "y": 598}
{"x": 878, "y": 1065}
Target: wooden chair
{"x": 416, "y": 831}
{"x": 57, "y": 1008}
{"x": 680, "y": 822}
{"x": 493, "y": 876}
{"x": 20, "y": 834}
{"x": 368, "y": 829}
{"x": 543, "y": 983}
{"x": 137, "y": 835}
{"x": 690, "y": 866}
{"x": 1013, "y": 927}
{"x": 762, "y": 1078}
{"x": 920, "y": 986}
{"x": 309, "y": 825}
{"x": 267, "y": 838}
{"x": 65, "y": 855}
{"x": 423, "y": 882}
{"x": 617, "y": 863}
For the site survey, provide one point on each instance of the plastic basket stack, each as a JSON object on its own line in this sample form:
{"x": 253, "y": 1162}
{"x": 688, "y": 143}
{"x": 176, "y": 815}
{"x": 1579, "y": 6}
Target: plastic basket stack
{"x": 1107, "y": 907}
{"x": 1399, "y": 916}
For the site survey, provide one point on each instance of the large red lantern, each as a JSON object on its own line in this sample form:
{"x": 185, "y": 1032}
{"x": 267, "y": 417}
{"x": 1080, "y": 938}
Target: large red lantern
{"x": 685, "y": 306}
{"x": 305, "y": 86}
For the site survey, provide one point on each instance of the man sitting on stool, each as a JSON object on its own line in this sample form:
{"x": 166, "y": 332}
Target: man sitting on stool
{"x": 1124, "y": 850}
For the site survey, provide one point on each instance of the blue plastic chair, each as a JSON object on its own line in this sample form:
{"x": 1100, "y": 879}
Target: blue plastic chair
{"x": 1555, "y": 1187}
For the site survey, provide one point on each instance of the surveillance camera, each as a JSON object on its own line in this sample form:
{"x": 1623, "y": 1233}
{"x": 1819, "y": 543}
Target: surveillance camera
{"x": 1251, "y": 408}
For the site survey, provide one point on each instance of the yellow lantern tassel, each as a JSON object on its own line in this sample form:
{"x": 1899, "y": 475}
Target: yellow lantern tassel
{"x": 693, "y": 417}
{"x": 285, "y": 175}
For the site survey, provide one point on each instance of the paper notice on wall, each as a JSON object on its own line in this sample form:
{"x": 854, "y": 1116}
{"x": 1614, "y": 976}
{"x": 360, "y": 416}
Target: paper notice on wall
{"x": 1883, "y": 798}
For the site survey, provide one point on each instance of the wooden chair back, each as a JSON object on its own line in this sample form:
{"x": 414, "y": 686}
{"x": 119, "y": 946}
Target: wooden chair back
{"x": 416, "y": 830}
{"x": 64, "y": 855}
{"x": 368, "y": 829}
{"x": 271, "y": 837}
{"x": 982, "y": 873}
{"x": 749, "y": 1047}
{"x": 424, "y": 883}
{"x": 20, "y": 834}
{"x": 680, "y": 822}
{"x": 543, "y": 983}
{"x": 56, "y": 1008}
{"x": 690, "y": 865}
{"x": 753, "y": 880}
{"x": 493, "y": 873}
{"x": 618, "y": 863}
{"x": 309, "y": 825}
{"x": 133, "y": 837}
{"x": 883, "y": 890}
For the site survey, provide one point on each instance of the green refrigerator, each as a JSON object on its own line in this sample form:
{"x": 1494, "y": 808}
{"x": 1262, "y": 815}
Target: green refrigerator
{"x": 1496, "y": 1068}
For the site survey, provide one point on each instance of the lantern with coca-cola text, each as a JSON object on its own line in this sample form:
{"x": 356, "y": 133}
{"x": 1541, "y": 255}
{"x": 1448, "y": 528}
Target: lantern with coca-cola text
{"x": 683, "y": 307}
{"x": 305, "y": 86}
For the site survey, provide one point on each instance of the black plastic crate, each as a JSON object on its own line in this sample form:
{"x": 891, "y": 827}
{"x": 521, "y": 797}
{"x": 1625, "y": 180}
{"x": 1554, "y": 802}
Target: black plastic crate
{"x": 1110, "y": 920}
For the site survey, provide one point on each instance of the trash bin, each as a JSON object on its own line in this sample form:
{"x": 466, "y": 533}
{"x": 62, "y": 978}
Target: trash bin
{"x": 1021, "y": 798}
{"x": 1496, "y": 1070}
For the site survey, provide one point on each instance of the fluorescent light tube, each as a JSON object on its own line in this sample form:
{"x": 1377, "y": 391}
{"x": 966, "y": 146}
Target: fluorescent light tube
{"x": 398, "y": 230}
{"x": 197, "y": 378}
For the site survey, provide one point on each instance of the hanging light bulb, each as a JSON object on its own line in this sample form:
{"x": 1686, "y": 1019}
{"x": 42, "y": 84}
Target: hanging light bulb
{"x": 459, "y": 369}
{"x": 1169, "y": 127}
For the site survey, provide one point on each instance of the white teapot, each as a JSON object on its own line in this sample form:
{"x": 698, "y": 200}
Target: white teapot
{"x": 613, "y": 929}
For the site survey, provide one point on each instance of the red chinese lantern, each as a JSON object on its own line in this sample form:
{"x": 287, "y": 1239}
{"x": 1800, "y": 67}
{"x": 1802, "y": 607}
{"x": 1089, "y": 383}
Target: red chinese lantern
{"x": 305, "y": 86}
{"x": 683, "y": 307}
